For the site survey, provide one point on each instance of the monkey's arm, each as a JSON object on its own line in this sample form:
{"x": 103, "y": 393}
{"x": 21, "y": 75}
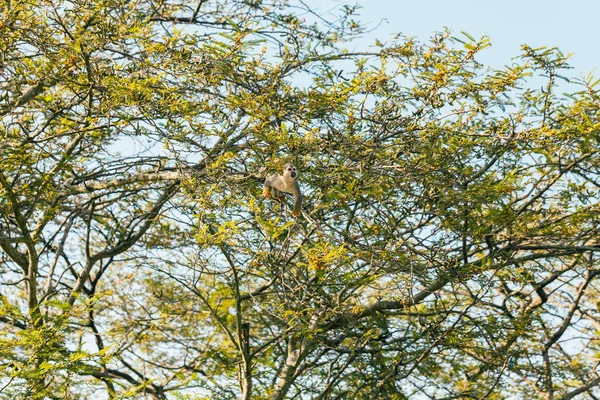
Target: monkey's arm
{"x": 297, "y": 201}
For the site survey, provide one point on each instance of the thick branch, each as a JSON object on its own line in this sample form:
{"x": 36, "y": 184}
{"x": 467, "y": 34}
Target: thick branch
{"x": 590, "y": 385}
{"x": 387, "y": 305}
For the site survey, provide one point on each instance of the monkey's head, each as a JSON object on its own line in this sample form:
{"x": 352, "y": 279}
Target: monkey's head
{"x": 289, "y": 171}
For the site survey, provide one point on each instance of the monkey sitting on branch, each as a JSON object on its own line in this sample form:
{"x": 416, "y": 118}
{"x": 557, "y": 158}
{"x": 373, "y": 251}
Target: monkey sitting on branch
{"x": 276, "y": 185}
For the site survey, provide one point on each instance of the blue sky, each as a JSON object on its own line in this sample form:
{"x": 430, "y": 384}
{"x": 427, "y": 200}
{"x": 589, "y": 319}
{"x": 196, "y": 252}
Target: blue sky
{"x": 573, "y": 26}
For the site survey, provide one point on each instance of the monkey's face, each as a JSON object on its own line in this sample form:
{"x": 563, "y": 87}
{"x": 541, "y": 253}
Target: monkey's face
{"x": 289, "y": 170}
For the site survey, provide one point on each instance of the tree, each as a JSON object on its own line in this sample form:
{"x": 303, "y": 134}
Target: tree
{"x": 448, "y": 242}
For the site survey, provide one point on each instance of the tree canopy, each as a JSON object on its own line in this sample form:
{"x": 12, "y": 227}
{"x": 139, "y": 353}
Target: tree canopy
{"x": 448, "y": 246}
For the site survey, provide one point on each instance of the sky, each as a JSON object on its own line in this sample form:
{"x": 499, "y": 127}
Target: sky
{"x": 572, "y": 26}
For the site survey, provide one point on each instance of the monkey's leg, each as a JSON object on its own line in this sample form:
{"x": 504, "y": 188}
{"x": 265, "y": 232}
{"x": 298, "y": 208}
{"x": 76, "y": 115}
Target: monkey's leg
{"x": 277, "y": 195}
{"x": 267, "y": 191}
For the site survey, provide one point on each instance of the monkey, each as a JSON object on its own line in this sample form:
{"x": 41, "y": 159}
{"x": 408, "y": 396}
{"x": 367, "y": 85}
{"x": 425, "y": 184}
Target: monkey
{"x": 275, "y": 185}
